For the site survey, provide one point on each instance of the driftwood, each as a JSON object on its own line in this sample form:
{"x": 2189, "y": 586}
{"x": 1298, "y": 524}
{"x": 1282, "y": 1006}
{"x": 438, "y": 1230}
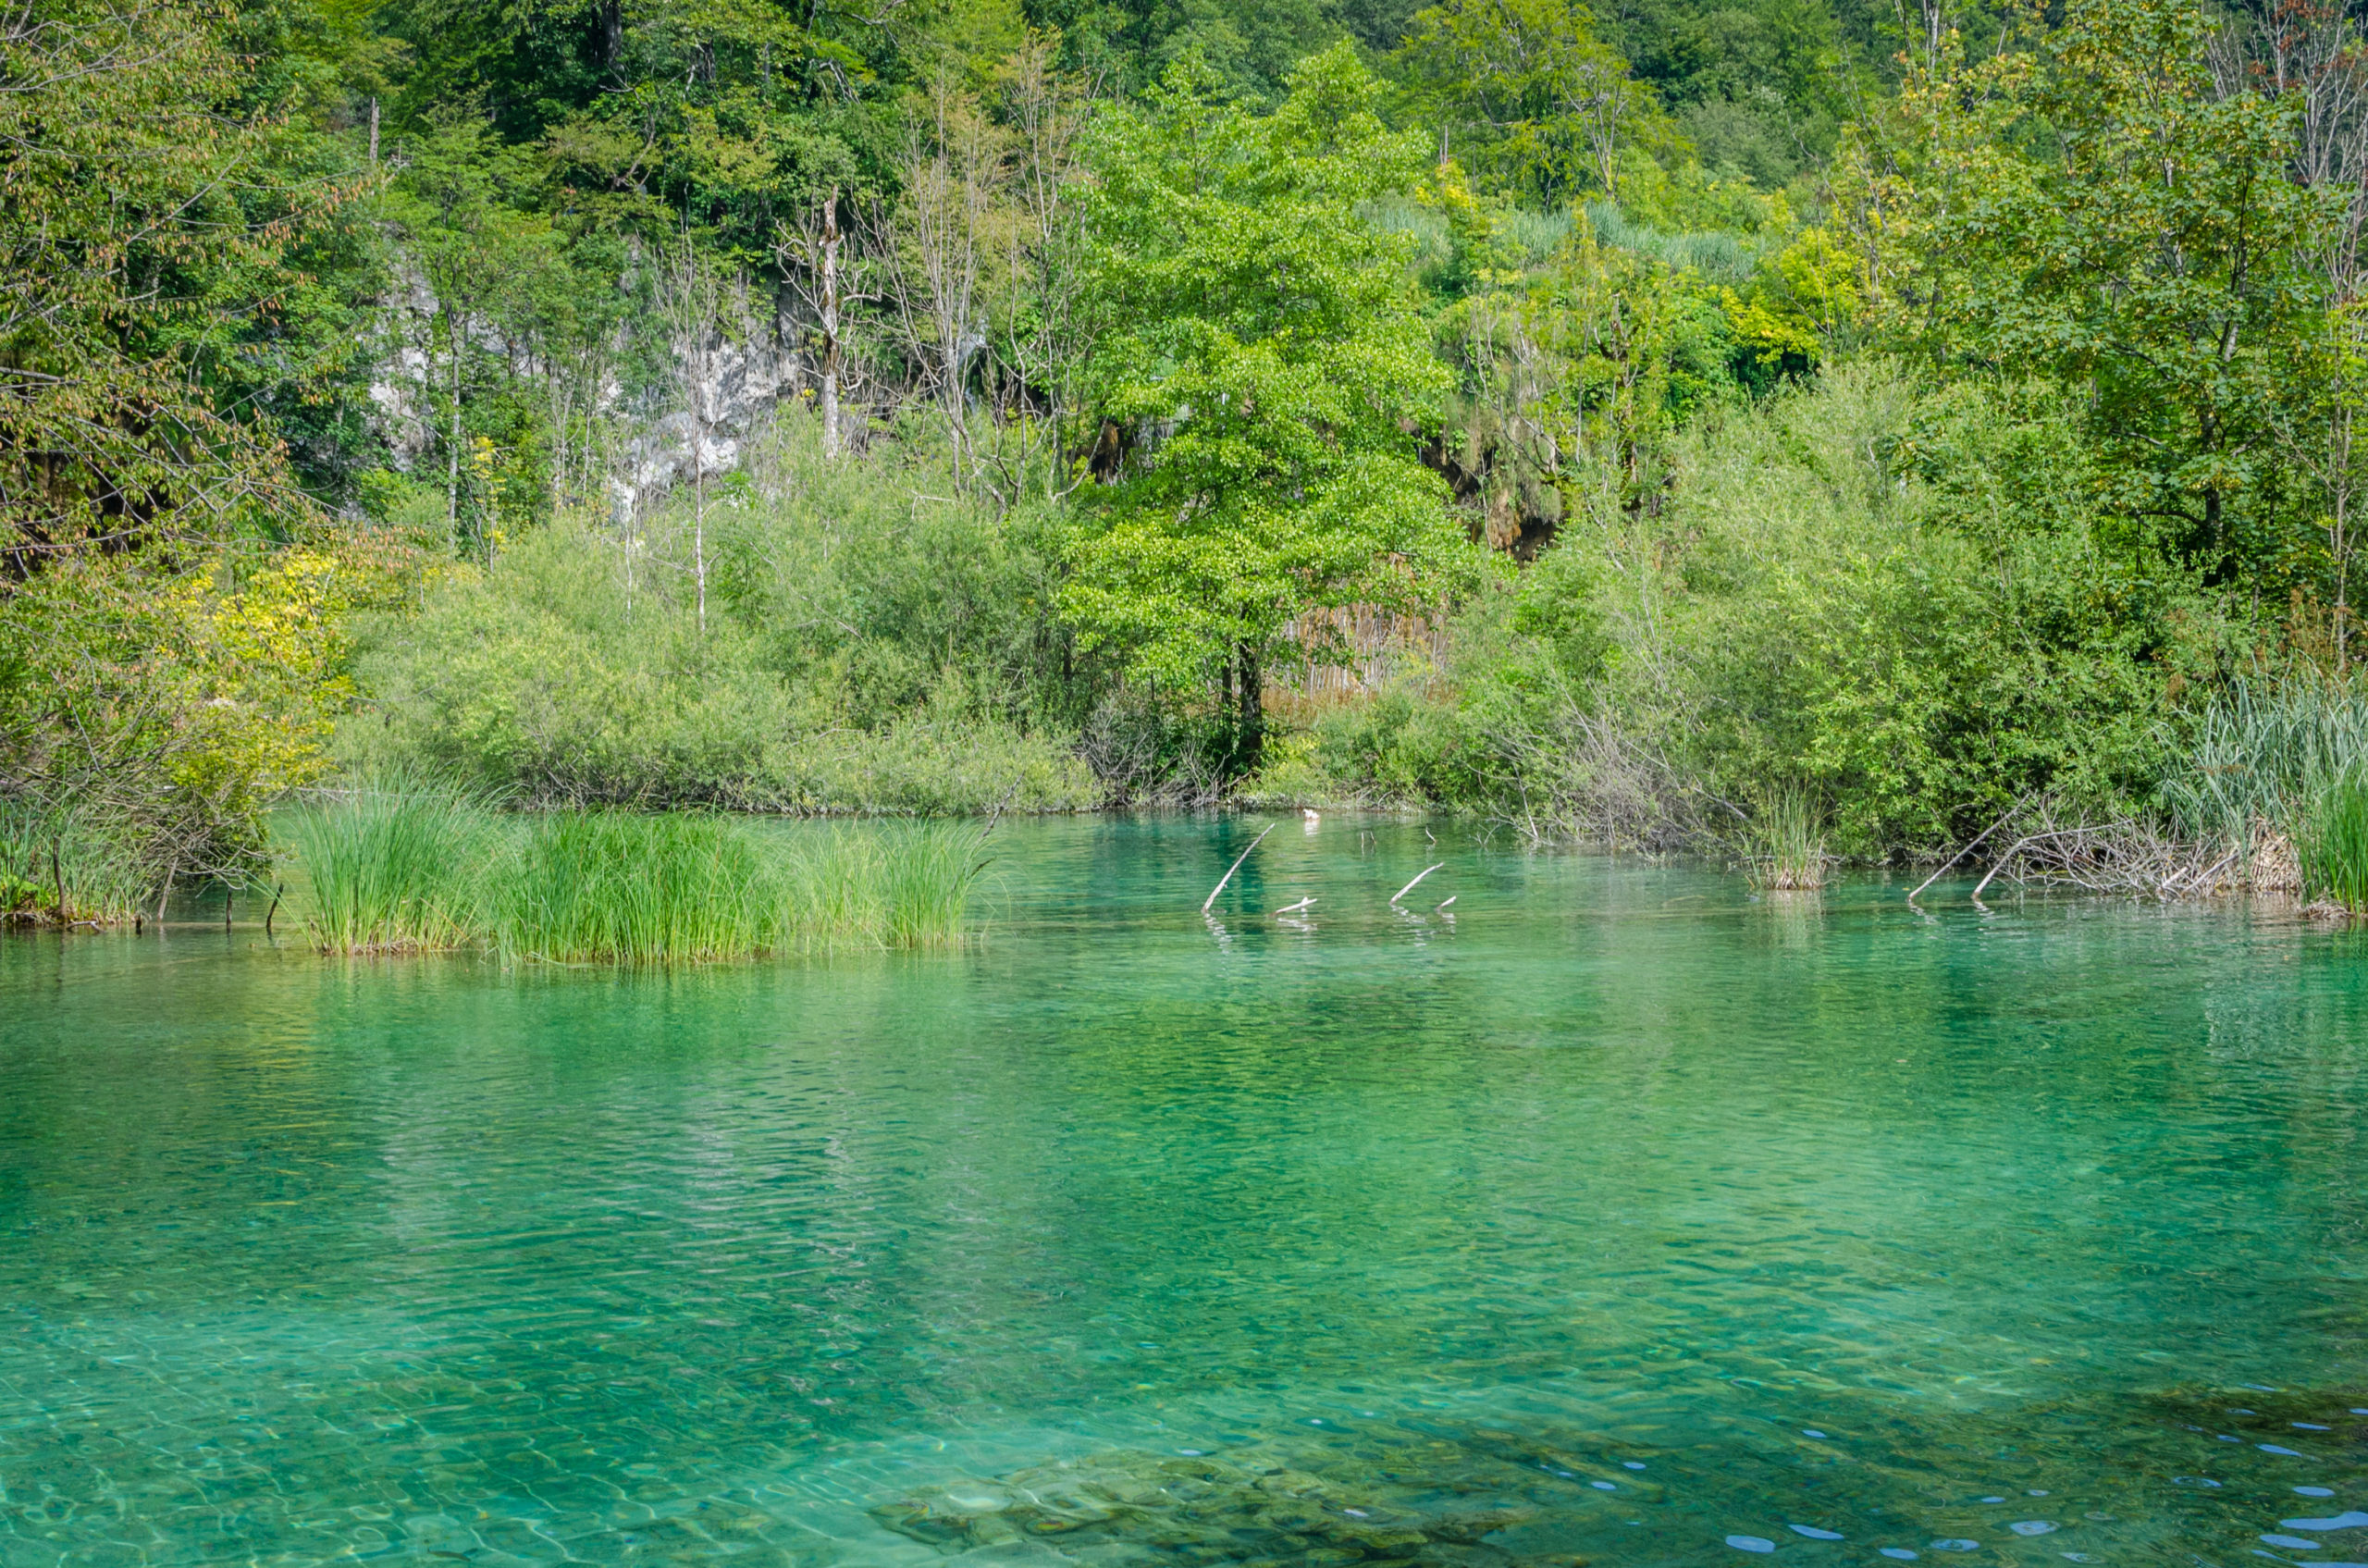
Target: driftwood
{"x": 2134, "y": 857}
{"x": 1235, "y": 867}
{"x": 1968, "y": 849}
{"x": 1402, "y": 892}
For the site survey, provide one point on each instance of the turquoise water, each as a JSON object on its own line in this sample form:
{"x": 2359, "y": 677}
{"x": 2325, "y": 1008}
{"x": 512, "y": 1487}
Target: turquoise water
{"x": 1608, "y": 1214}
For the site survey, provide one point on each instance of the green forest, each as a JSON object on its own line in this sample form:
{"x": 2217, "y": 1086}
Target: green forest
{"x": 1800, "y": 430}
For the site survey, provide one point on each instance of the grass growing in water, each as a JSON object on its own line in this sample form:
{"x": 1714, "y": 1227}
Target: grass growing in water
{"x": 396, "y": 866}
{"x": 927, "y": 876}
{"x": 1788, "y": 842}
{"x": 56, "y": 868}
{"x": 2261, "y": 753}
{"x": 416, "y": 868}
{"x": 2331, "y": 840}
{"x": 612, "y": 887}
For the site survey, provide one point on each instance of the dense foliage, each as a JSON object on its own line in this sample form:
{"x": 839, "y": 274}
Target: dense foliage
{"x": 1654, "y": 423}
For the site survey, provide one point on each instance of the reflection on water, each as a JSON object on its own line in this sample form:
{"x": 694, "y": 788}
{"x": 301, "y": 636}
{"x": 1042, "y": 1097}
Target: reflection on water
{"x": 1605, "y": 1214}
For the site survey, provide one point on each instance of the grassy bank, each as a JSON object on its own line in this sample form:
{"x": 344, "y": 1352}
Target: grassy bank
{"x": 61, "y": 870}
{"x": 419, "y": 868}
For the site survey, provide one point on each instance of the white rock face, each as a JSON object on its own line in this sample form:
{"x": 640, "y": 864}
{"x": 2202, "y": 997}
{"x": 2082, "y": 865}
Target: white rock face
{"x": 748, "y": 375}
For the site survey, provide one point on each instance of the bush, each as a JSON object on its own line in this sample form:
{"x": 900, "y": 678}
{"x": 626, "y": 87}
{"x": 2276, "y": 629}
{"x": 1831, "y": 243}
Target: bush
{"x": 1881, "y": 595}
{"x": 863, "y": 650}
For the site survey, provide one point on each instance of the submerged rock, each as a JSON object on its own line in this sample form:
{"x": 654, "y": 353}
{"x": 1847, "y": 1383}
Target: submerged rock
{"x": 1423, "y": 1503}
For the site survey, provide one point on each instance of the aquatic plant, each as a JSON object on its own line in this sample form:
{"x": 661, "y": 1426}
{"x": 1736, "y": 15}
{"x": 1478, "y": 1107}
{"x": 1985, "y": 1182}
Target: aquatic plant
{"x": 615, "y": 887}
{"x": 928, "y": 872}
{"x": 618, "y": 887}
{"x": 60, "y": 867}
{"x": 2330, "y": 835}
{"x": 2257, "y": 754}
{"x": 906, "y": 885}
{"x": 395, "y": 864}
{"x": 406, "y": 865}
{"x": 1788, "y": 841}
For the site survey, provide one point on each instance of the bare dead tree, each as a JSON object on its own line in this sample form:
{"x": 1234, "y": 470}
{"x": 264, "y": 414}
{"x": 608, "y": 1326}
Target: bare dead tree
{"x": 814, "y": 256}
{"x": 690, "y": 297}
{"x": 937, "y": 244}
{"x": 2311, "y": 56}
{"x": 1039, "y": 344}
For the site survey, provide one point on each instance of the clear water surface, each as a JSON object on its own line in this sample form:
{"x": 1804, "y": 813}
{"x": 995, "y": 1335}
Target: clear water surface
{"x": 1610, "y": 1214}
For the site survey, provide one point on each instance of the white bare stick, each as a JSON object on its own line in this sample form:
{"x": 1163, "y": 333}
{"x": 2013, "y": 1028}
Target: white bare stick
{"x": 1967, "y": 850}
{"x": 2021, "y": 845}
{"x": 1295, "y": 908}
{"x": 1402, "y": 892}
{"x": 1235, "y": 867}
{"x": 1448, "y": 900}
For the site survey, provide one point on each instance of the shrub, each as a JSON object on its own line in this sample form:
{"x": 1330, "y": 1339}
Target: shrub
{"x": 863, "y": 651}
{"x": 1880, "y": 594}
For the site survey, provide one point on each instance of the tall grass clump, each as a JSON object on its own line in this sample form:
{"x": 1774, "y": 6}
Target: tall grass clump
{"x": 928, "y": 874}
{"x": 2330, "y": 834}
{"x": 395, "y": 865}
{"x": 1788, "y": 842}
{"x": 615, "y": 887}
{"x": 58, "y": 868}
{"x": 2261, "y": 755}
{"x": 904, "y": 887}
{"x": 413, "y": 866}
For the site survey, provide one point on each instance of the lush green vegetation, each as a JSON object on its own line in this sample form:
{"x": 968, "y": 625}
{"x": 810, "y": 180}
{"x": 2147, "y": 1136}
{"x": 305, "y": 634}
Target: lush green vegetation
{"x": 1796, "y": 427}
{"x": 398, "y": 866}
{"x": 395, "y": 866}
{"x": 2331, "y": 840}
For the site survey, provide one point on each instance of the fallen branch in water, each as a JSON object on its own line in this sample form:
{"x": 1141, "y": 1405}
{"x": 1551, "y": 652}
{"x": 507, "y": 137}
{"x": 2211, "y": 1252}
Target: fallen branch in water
{"x": 1235, "y": 867}
{"x": 2128, "y": 855}
{"x": 1968, "y": 849}
{"x": 1402, "y": 892}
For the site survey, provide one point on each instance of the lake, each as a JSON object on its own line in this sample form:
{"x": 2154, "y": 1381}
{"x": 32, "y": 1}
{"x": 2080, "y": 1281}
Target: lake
{"x": 1608, "y": 1214}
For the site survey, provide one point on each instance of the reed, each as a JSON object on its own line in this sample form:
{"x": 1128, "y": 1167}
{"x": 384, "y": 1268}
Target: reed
{"x": 620, "y": 888}
{"x": 2259, "y": 754}
{"x": 906, "y": 887}
{"x": 2330, "y": 835}
{"x": 612, "y": 887}
{"x": 414, "y": 866}
{"x": 928, "y": 874}
{"x": 395, "y": 865}
{"x": 1788, "y": 842}
{"x": 59, "y": 868}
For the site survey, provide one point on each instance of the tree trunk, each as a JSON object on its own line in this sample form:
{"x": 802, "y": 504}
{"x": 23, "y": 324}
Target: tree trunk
{"x": 831, "y": 325}
{"x": 698, "y": 483}
{"x": 452, "y": 452}
{"x": 1251, "y": 745}
{"x": 612, "y": 36}
{"x": 2343, "y": 578}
